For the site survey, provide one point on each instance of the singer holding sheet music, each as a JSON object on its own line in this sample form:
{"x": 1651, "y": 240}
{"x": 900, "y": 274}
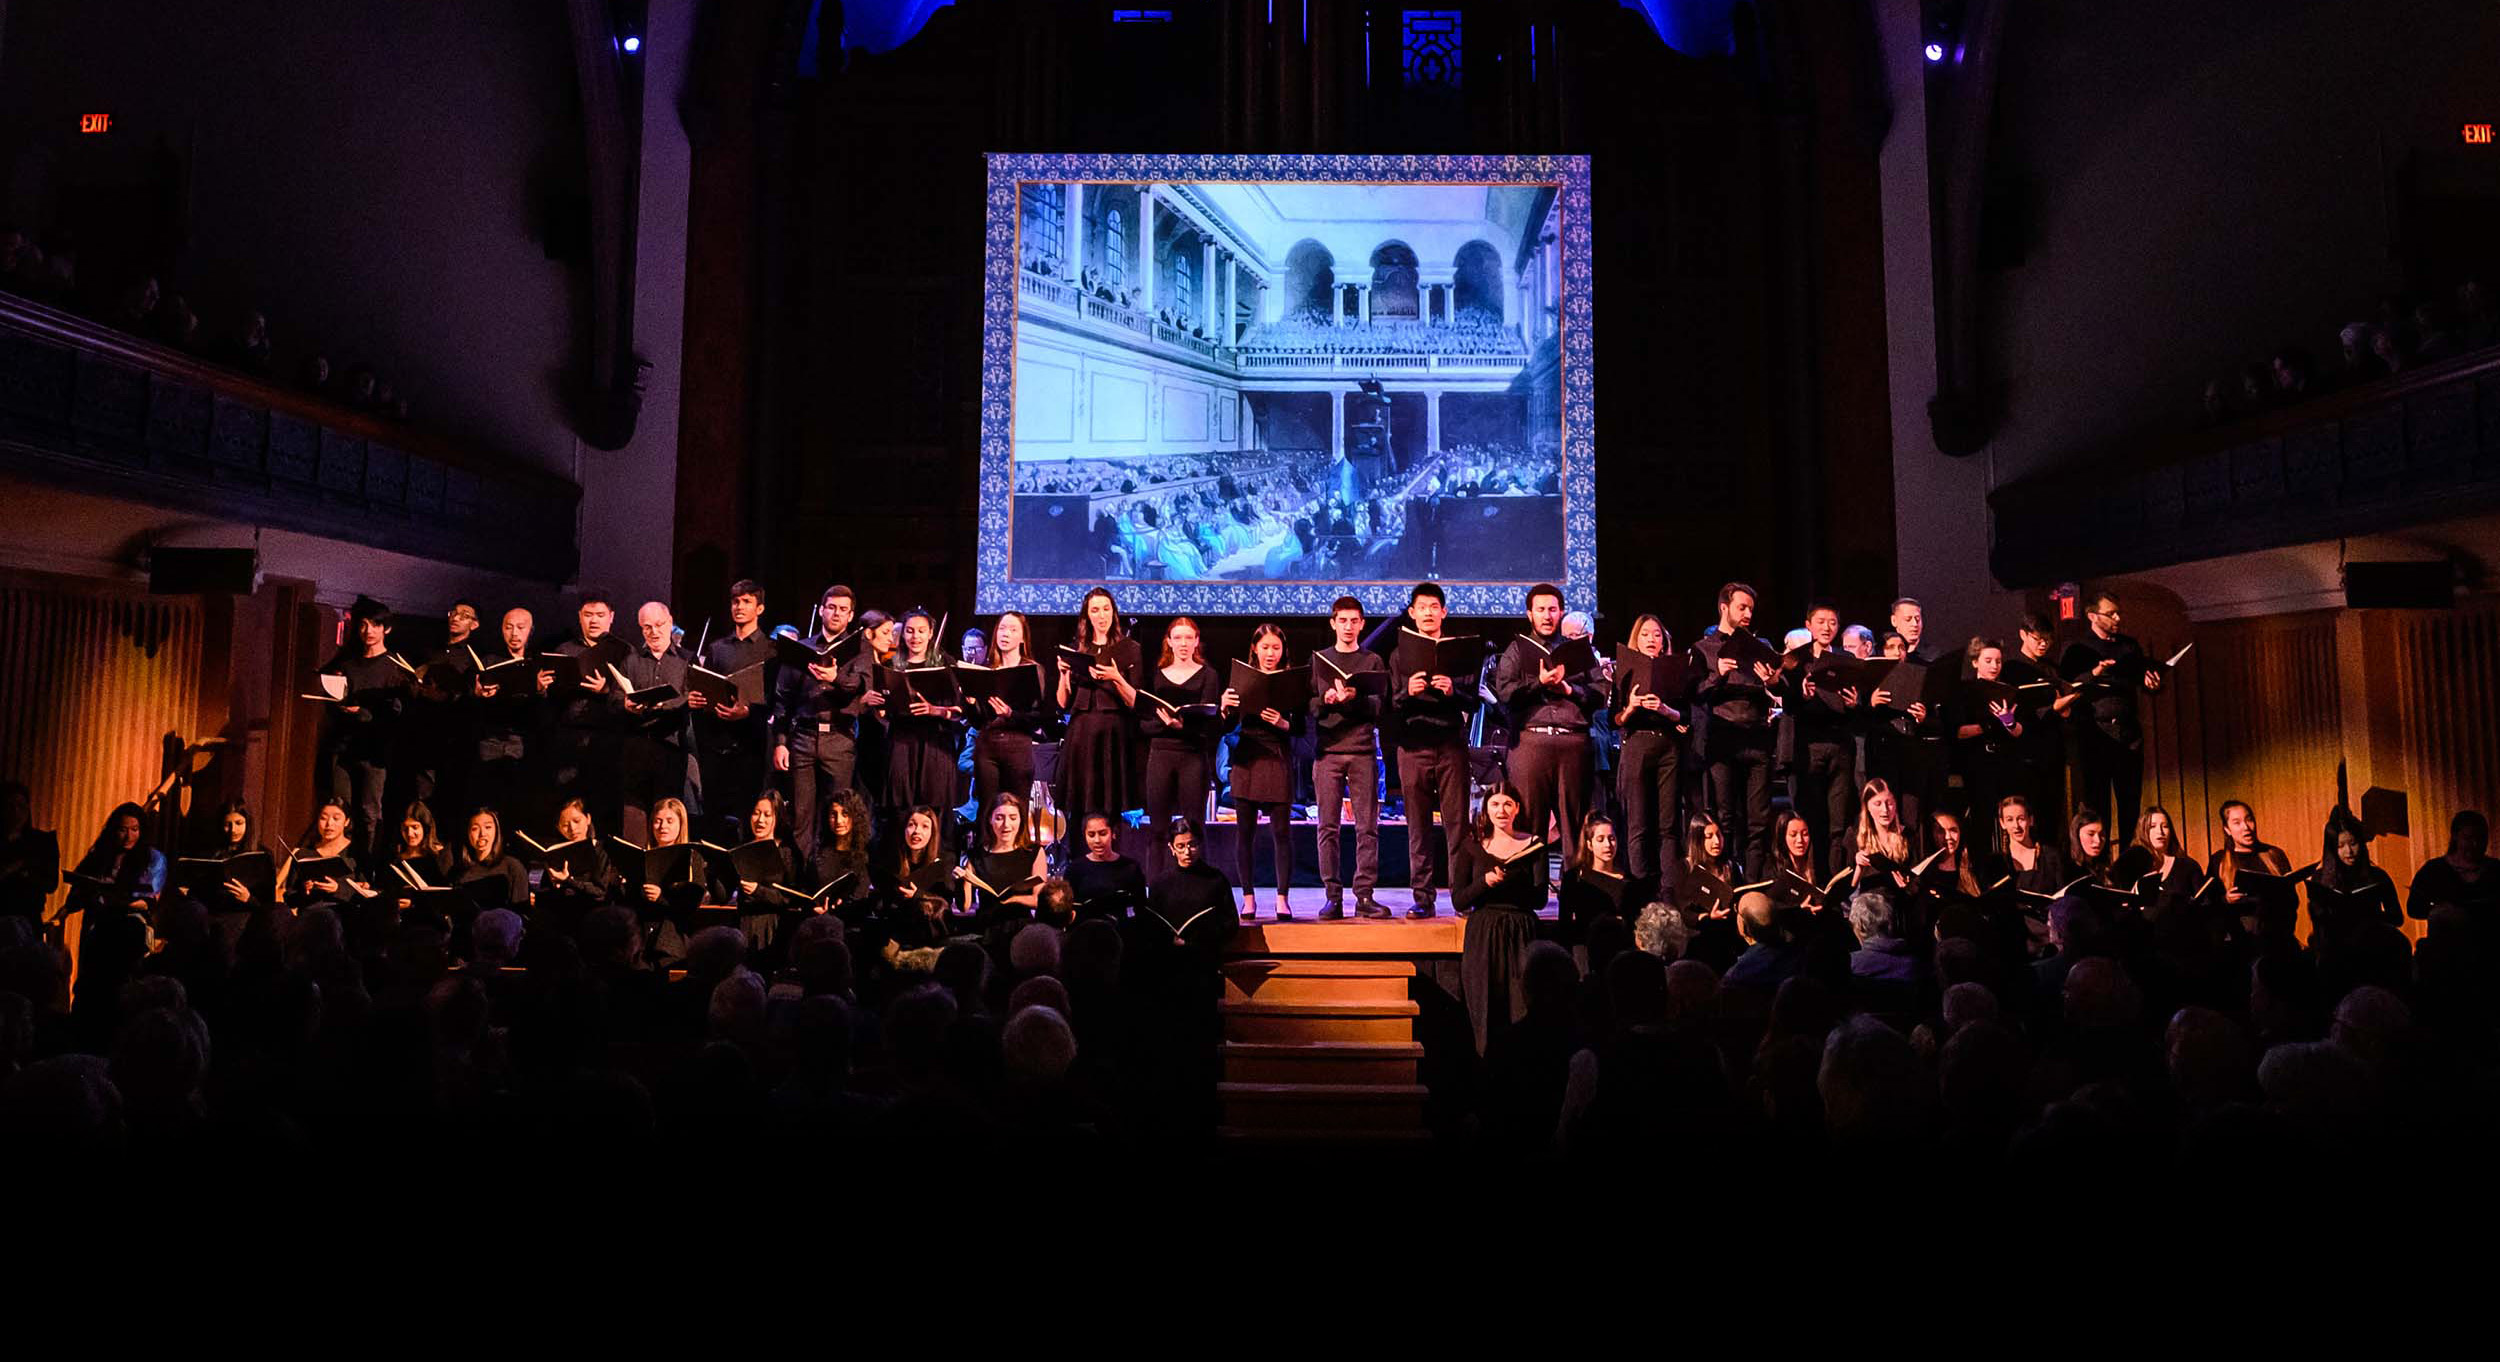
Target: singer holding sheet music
{"x": 1182, "y": 713}
{"x": 2109, "y": 735}
{"x": 816, "y": 715}
{"x": 2268, "y": 911}
{"x": 1733, "y": 675}
{"x": 1649, "y": 767}
{"x": 111, "y": 889}
{"x": 1498, "y": 882}
{"x": 1004, "y": 731}
{"x": 1429, "y": 710}
{"x": 359, "y": 731}
{"x": 658, "y": 746}
{"x": 1346, "y": 690}
{"x": 921, "y": 730}
{"x": 1548, "y": 687}
{"x": 1262, "y": 774}
{"x": 1823, "y": 733}
{"x": 1097, "y": 757}
{"x": 733, "y": 741}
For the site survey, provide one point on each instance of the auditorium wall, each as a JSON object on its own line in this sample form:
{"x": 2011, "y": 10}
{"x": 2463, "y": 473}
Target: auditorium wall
{"x": 377, "y": 176}
{"x": 2176, "y": 190}
{"x": 1078, "y": 398}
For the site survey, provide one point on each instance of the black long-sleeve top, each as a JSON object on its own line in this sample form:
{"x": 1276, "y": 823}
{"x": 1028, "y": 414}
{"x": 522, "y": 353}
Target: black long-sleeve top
{"x": 832, "y": 863}
{"x": 583, "y": 708}
{"x": 508, "y": 878}
{"x": 1351, "y": 728}
{"x": 1522, "y": 889}
{"x": 729, "y": 655}
{"x": 30, "y": 869}
{"x": 671, "y": 720}
{"x": 805, "y": 708}
{"x": 1027, "y": 722}
{"x": 1086, "y": 695}
{"x": 1821, "y": 721}
{"x": 1112, "y": 888}
{"x": 1198, "y": 735}
{"x": 1429, "y": 720}
{"x": 900, "y": 721}
{"x": 2438, "y": 883}
{"x": 2365, "y": 896}
{"x": 377, "y": 689}
{"x": 1202, "y": 893}
{"x": 1738, "y": 699}
{"x": 2109, "y": 699}
{"x": 1531, "y": 705}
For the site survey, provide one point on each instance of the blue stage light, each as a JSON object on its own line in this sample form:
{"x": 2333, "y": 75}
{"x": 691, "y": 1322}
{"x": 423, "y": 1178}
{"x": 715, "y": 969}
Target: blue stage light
{"x": 633, "y": 44}
{"x": 1935, "y": 52}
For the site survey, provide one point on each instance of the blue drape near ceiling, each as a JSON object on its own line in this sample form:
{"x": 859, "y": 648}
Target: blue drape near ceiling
{"x": 1696, "y": 28}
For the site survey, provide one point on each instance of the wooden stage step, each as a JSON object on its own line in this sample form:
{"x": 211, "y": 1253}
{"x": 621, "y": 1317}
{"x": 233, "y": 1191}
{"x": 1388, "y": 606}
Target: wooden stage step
{"x": 1305, "y": 1106}
{"x": 1318, "y": 980}
{"x": 1397, "y": 936}
{"x": 1251, "y": 1019}
{"x": 1322, "y": 1063}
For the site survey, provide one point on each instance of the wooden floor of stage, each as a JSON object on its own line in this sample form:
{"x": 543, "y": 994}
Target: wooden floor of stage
{"x": 1444, "y": 933}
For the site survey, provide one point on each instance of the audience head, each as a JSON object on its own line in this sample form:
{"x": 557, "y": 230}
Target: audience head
{"x": 1037, "y": 1047}
{"x": 495, "y": 937}
{"x": 1661, "y": 932}
{"x": 1034, "y": 950}
{"x": 1873, "y": 1088}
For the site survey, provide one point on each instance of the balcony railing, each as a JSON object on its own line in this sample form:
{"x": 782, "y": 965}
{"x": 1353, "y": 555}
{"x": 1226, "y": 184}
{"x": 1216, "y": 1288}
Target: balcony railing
{"x": 2418, "y": 447}
{"x": 89, "y": 408}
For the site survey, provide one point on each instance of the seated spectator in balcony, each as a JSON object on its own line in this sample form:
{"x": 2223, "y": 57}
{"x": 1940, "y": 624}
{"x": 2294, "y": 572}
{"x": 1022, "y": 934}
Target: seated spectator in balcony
{"x": 316, "y": 377}
{"x": 249, "y": 351}
{"x": 2294, "y": 376}
{"x": 135, "y": 310}
{"x": 2216, "y": 403}
{"x": 2437, "y": 340}
{"x": 360, "y": 387}
{"x": 2360, "y": 361}
{"x": 2478, "y": 322}
{"x": 2256, "y": 388}
{"x": 177, "y": 325}
{"x": 2390, "y": 352}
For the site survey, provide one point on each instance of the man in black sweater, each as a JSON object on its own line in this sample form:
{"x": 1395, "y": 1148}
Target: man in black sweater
{"x": 1346, "y": 714}
{"x": 1429, "y": 720}
{"x": 2109, "y": 739}
{"x": 659, "y": 747}
{"x": 1551, "y": 756}
{"x": 358, "y": 732}
{"x": 732, "y": 741}
{"x": 1736, "y": 727}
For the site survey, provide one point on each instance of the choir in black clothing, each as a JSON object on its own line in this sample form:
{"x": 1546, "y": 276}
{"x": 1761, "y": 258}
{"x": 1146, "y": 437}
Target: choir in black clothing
{"x": 876, "y": 735}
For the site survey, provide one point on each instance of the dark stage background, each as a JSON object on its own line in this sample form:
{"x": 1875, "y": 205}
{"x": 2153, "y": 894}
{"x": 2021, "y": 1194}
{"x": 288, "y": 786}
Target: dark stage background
{"x": 834, "y": 323}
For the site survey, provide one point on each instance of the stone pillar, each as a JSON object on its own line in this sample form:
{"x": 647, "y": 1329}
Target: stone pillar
{"x": 1232, "y": 304}
{"x": 1336, "y": 304}
{"x": 1146, "y": 249}
{"x": 1336, "y": 422}
{"x": 1432, "y": 422}
{"x": 1271, "y": 298}
{"x": 1206, "y": 285}
{"x": 1072, "y": 236}
{"x": 1363, "y": 296}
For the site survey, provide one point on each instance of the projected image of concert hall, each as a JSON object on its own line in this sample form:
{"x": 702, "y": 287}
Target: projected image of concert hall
{"x": 1280, "y": 381}
{"x": 887, "y": 596}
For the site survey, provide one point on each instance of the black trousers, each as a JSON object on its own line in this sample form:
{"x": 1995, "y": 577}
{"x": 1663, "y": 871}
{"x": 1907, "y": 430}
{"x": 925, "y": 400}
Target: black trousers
{"x": 1002, "y": 762}
{"x": 732, "y": 761}
{"x": 821, "y": 766}
{"x": 1647, "y": 776}
{"x": 1434, "y": 780}
{"x": 360, "y": 782}
{"x": 1916, "y": 769}
{"x": 1279, "y": 836}
{"x": 1333, "y": 776}
{"x": 2109, "y": 777}
{"x": 1737, "y": 763}
{"x": 582, "y": 764}
{"x": 1552, "y": 772}
{"x": 650, "y": 771}
{"x": 1827, "y": 792}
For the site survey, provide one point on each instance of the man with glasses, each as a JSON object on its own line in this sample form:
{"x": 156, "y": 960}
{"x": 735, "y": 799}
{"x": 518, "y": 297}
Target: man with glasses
{"x": 2109, "y": 737}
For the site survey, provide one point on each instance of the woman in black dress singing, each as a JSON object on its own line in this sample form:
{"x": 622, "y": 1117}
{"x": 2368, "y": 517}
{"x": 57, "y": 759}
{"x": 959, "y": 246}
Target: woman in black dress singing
{"x": 1104, "y": 882}
{"x": 842, "y": 856}
{"x": 1097, "y": 758}
{"x": 1181, "y": 751}
{"x": 1593, "y": 884}
{"x": 1002, "y": 748}
{"x": 1262, "y": 781}
{"x": 922, "y": 738}
{"x": 994, "y": 876}
{"x": 1500, "y": 898}
{"x": 2348, "y": 893}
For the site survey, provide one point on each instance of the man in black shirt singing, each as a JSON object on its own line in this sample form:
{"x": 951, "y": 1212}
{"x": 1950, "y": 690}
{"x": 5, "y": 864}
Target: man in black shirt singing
{"x": 1736, "y": 729}
{"x": 659, "y": 747}
{"x": 2110, "y": 668}
{"x": 1549, "y": 703}
{"x": 1825, "y": 741}
{"x": 816, "y": 720}
{"x": 1429, "y": 719}
{"x": 358, "y": 733}
{"x": 1346, "y": 715}
{"x": 732, "y": 740}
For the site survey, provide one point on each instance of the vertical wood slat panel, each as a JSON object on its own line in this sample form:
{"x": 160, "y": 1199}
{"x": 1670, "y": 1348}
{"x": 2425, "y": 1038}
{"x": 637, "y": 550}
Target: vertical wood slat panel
{"x": 2448, "y": 672}
{"x": 92, "y": 681}
{"x": 2268, "y": 729}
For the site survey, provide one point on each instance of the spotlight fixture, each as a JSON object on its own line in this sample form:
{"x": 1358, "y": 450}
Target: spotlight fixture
{"x": 632, "y": 44}
{"x": 1935, "y": 51}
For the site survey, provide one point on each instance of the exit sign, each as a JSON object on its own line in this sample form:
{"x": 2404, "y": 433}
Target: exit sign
{"x": 2478, "y": 134}
{"x": 103, "y": 122}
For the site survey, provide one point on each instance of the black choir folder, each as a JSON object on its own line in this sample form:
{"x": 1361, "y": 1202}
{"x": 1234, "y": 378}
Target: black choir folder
{"x": 1326, "y": 672}
{"x": 1020, "y": 685}
{"x": 1285, "y": 690}
{"x": 720, "y": 690}
{"x": 1574, "y": 655}
{"x": 932, "y": 685}
{"x": 1638, "y": 674}
{"x": 795, "y": 651}
{"x": 204, "y": 878}
{"x": 1458, "y": 657}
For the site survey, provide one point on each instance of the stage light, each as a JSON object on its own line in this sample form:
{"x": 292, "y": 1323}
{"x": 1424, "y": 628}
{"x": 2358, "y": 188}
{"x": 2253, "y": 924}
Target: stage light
{"x": 633, "y": 44}
{"x": 1935, "y": 52}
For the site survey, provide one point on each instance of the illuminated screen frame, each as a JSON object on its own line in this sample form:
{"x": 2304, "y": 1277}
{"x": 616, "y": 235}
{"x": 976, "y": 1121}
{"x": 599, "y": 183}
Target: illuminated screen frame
{"x": 998, "y": 589}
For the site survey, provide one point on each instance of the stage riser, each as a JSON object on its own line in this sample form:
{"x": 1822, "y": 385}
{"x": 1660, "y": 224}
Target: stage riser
{"x": 1321, "y": 1072}
{"x": 1319, "y": 989}
{"x": 1288, "y": 1028}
